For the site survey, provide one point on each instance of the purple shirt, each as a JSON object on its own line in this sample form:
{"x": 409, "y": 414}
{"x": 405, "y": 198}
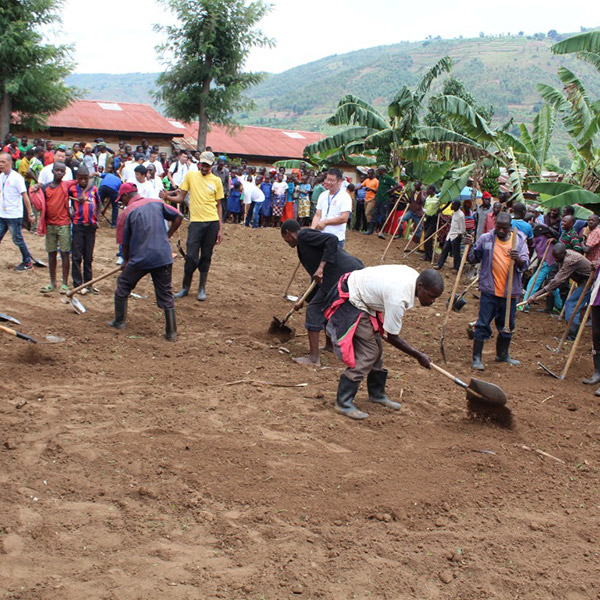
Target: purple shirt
{"x": 483, "y": 252}
{"x": 539, "y": 244}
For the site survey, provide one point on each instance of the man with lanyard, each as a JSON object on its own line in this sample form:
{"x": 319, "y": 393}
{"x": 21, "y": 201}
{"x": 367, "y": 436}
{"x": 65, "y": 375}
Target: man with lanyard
{"x": 494, "y": 251}
{"x": 325, "y": 262}
{"x": 572, "y": 265}
{"x": 146, "y": 250}
{"x": 206, "y": 221}
{"x": 355, "y": 307}
{"x": 333, "y": 207}
{"x": 13, "y": 196}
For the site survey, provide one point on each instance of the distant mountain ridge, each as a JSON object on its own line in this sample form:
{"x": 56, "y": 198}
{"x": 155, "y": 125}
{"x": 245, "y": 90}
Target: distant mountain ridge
{"x": 498, "y": 71}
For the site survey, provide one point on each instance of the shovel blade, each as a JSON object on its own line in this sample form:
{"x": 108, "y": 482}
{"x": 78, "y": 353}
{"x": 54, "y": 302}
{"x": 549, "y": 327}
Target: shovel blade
{"x": 280, "y": 329}
{"x": 545, "y": 368}
{"x": 78, "y": 307}
{"x": 488, "y": 392}
{"x": 10, "y": 319}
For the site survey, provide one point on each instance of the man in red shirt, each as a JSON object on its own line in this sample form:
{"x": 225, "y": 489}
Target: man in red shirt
{"x": 58, "y": 227}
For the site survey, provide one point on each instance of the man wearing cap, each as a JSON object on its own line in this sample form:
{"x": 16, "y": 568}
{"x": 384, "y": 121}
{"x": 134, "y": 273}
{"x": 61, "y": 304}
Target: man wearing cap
{"x": 146, "y": 250}
{"x": 222, "y": 172}
{"x": 481, "y": 213}
{"x": 206, "y": 218}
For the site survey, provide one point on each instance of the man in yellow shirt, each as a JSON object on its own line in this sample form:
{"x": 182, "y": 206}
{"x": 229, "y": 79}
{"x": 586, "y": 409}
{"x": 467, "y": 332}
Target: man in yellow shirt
{"x": 205, "y": 228}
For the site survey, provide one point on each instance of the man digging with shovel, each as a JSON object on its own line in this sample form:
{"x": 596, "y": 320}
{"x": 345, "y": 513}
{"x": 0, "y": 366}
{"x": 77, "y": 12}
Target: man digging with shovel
{"x": 356, "y": 327}
{"x": 325, "y": 262}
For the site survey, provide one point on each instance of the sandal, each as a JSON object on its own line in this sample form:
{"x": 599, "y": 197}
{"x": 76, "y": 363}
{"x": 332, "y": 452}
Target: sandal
{"x": 64, "y": 288}
{"x": 48, "y": 289}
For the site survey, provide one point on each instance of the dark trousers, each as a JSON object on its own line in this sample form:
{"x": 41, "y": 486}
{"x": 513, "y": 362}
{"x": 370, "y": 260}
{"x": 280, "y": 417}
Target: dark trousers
{"x": 106, "y": 192}
{"x": 17, "y": 237}
{"x": 201, "y": 241}
{"x": 596, "y": 329}
{"x": 361, "y": 218}
{"x": 454, "y": 247}
{"x": 161, "y": 278}
{"x": 493, "y": 308}
{"x": 379, "y": 213}
{"x": 84, "y": 239}
{"x": 251, "y": 210}
{"x": 430, "y": 225}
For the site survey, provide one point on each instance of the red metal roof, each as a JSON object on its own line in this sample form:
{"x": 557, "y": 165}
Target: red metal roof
{"x": 254, "y": 141}
{"x": 101, "y": 115}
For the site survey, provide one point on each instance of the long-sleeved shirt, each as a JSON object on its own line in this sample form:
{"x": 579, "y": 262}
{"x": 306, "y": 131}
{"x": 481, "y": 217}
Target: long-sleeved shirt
{"x": 483, "y": 252}
{"x": 574, "y": 266}
{"x": 571, "y": 240}
{"x": 457, "y": 225}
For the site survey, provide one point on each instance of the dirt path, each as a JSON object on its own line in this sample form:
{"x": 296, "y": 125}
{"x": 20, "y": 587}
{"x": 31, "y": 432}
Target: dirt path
{"x": 129, "y": 469}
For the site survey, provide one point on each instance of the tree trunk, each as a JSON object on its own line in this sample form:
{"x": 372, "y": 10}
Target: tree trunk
{"x": 202, "y": 116}
{"x": 5, "y": 105}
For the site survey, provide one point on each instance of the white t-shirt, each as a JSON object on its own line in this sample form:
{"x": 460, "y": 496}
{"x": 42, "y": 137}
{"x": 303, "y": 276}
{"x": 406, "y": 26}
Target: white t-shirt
{"x": 179, "y": 171}
{"x": 257, "y": 195}
{"x": 248, "y": 190}
{"x": 128, "y": 172}
{"x": 101, "y": 158}
{"x": 332, "y": 206}
{"x": 145, "y": 189}
{"x": 457, "y": 225}
{"x": 46, "y": 175}
{"x": 156, "y": 186}
{"x": 12, "y": 187}
{"x": 279, "y": 187}
{"x": 388, "y": 288}
{"x": 159, "y": 168}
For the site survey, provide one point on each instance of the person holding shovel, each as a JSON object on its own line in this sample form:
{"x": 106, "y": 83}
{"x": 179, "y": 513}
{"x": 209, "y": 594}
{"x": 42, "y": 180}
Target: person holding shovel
{"x": 354, "y": 312}
{"x": 325, "y": 262}
{"x": 498, "y": 253}
{"x": 146, "y": 250}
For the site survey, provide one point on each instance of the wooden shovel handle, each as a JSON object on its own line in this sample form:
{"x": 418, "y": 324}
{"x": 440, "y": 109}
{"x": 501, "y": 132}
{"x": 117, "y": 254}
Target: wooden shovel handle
{"x": 17, "y": 334}
{"x": 576, "y": 342}
{"x": 509, "y": 285}
{"x": 287, "y": 289}
{"x": 448, "y": 375}
{"x": 537, "y": 271}
{"x": 456, "y": 283}
{"x": 588, "y": 283}
{"x": 311, "y": 287}
{"x": 95, "y": 280}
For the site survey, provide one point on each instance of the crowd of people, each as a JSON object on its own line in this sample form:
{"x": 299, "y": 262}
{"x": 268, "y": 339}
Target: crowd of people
{"x": 62, "y": 193}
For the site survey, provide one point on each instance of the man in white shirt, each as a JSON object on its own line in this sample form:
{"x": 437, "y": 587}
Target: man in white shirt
{"x": 333, "y": 207}
{"x": 356, "y": 328}
{"x": 128, "y": 170}
{"x": 144, "y": 187}
{"x": 46, "y": 175}
{"x": 13, "y": 196}
{"x": 179, "y": 169}
{"x": 458, "y": 229}
{"x": 155, "y": 183}
{"x": 153, "y": 160}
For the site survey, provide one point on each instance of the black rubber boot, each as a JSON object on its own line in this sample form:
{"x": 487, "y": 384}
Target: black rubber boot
{"x": 344, "y": 403}
{"x": 202, "y": 287}
{"x": 502, "y": 355}
{"x": 572, "y": 333}
{"x": 170, "y": 325}
{"x": 595, "y": 378}
{"x": 120, "y": 313}
{"x": 185, "y": 286}
{"x": 370, "y": 229}
{"x": 477, "y": 352}
{"x": 376, "y": 387}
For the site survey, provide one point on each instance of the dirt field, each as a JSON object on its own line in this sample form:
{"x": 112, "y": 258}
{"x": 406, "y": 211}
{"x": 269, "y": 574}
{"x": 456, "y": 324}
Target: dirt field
{"x": 136, "y": 468}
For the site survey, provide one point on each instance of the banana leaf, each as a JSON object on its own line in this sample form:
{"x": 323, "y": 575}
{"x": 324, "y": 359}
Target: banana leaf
{"x": 294, "y": 164}
{"x": 553, "y": 188}
{"x": 354, "y": 111}
{"x": 339, "y": 140}
{"x": 583, "y": 42}
{"x": 441, "y": 134}
{"x": 462, "y": 113}
{"x": 428, "y": 172}
{"x": 452, "y": 187}
{"x": 572, "y": 197}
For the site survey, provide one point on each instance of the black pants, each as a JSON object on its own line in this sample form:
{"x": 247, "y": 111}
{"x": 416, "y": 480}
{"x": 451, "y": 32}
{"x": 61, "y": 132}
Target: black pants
{"x": 84, "y": 239}
{"x": 454, "y": 247}
{"x": 201, "y": 241}
{"x": 161, "y": 278}
{"x": 106, "y": 192}
{"x": 596, "y": 329}
{"x": 361, "y": 219}
{"x": 430, "y": 225}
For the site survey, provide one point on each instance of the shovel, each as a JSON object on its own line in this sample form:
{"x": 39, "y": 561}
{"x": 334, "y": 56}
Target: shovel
{"x": 459, "y": 299}
{"x": 287, "y": 296}
{"x": 17, "y": 334}
{"x": 38, "y": 263}
{"x": 279, "y": 327}
{"x": 509, "y": 285}
{"x": 78, "y": 307}
{"x": 10, "y": 319}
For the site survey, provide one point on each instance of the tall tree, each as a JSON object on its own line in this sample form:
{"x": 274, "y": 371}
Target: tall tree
{"x": 31, "y": 71}
{"x": 204, "y": 54}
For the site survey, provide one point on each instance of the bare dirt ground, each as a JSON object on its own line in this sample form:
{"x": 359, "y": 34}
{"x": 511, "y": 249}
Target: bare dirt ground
{"x": 130, "y": 469}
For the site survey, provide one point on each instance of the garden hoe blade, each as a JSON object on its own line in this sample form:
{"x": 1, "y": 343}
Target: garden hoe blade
{"x": 78, "y": 307}
{"x": 180, "y": 248}
{"x": 549, "y": 371}
{"x": 10, "y": 319}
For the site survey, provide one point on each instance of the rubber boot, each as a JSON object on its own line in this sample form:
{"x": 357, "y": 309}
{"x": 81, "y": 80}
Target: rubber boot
{"x": 344, "y": 403}
{"x": 202, "y": 287}
{"x": 370, "y": 229}
{"x": 185, "y": 286}
{"x": 572, "y": 333}
{"x": 376, "y": 387}
{"x": 170, "y": 325}
{"x": 595, "y": 378}
{"x": 597, "y": 392}
{"x": 502, "y": 355}
{"x": 477, "y": 352}
{"x": 120, "y": 313}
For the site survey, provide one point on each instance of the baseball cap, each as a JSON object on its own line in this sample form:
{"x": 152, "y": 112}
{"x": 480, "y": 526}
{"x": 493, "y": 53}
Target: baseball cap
{"x": 126, "y": 188}
{"x": 207, "y": 158}
{"x": 486, "y": 195}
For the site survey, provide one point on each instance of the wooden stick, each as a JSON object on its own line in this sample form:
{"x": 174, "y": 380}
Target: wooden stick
{"x": 287, "y": 289}
{"x": 391, "y": 240}
{"x": 562, "y": 312}
{"x": 425, "y": 241}
{"x": 260, "y": 382}
{"x": 525, "y": 302}
{"x": 435, "y": 240}
{"x": 509, "y": 285}
{"x": 542, "y": 453}
{"x": 537, "y": 272}
{"x": 393, "y": 211}
{"x": 91, "y": 282}
{"x": 410, "y": 237}
{"x": 576, "y": 342}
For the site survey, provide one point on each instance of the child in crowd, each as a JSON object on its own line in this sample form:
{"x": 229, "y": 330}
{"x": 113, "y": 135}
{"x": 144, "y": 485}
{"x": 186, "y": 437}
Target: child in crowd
{"x": 278, "y": 197}
{"x": 265, "y": 209}
{"x": 289, "y": 210}
{"x": 360, "y": 193}
{"x": 304, "y": 190}
{"x": 234, "y": 203}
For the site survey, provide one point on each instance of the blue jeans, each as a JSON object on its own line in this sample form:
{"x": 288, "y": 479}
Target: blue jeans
{"x": 492, "y": 308}
{"x": 17, "y": 237}
{"x": 256, "y": 214}
{"x": 532, "y": 289}
{"x": 572, "y": 301}
{"x": 409, "y": 215}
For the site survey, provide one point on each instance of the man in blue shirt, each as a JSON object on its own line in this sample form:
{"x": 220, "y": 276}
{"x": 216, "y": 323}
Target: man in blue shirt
{"x": 519, "y": 222}
{"x": 108, "y": 192}
{"x": 146, "y": 249}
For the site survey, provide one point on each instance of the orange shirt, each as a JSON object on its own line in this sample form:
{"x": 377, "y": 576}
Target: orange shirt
{"x": 500, "y": 265}
{"x": 57, "y": 206}
{"x": 373, "y": 184}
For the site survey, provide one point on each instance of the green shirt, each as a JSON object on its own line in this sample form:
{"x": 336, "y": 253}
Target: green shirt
{"x": 386, "y": 183}
{"x": 319, "y": 189}
{"x": 432, "y": 206}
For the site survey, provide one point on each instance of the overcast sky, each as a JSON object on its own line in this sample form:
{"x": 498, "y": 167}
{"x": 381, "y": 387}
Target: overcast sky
{"x": 117, "y": 35}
